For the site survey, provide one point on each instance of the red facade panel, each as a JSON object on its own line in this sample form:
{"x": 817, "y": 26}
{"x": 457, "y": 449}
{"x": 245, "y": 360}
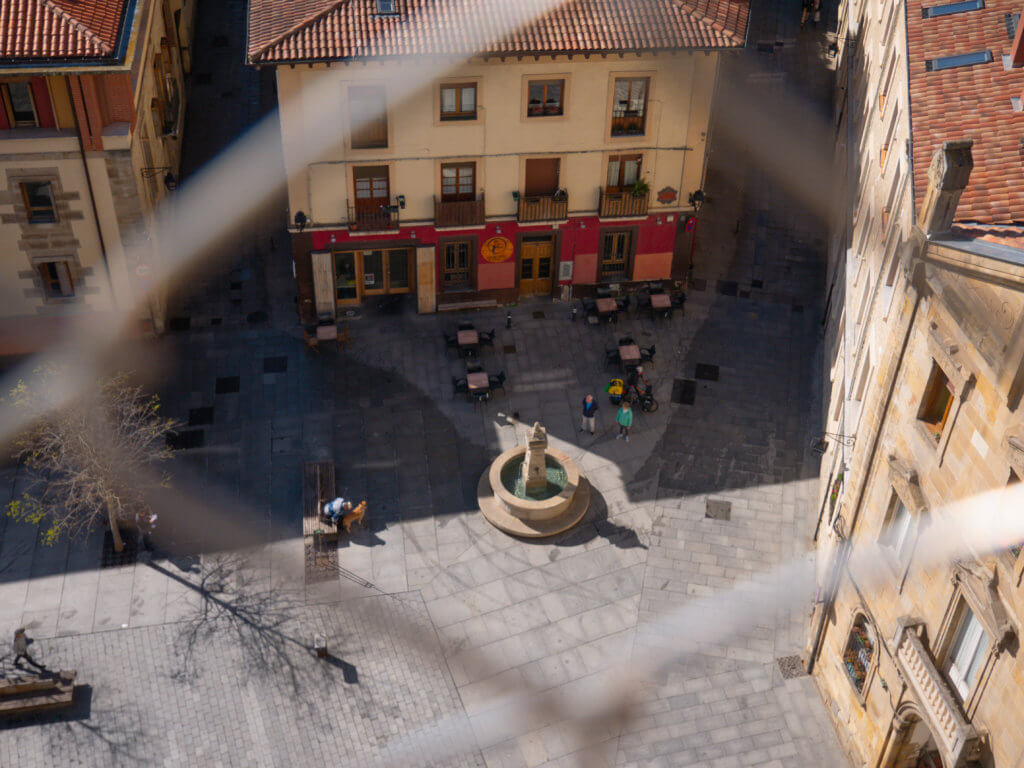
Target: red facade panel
{"x": 44, "y": 108}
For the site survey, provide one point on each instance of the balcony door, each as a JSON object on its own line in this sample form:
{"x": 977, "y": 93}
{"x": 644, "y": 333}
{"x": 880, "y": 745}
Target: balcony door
{"x": 458, "y": 182}
{"x": 623, "y": 171}
{"x": 372, "y": 192}
{"x": 541, "y": 176}
{"x": 536, "y": 261}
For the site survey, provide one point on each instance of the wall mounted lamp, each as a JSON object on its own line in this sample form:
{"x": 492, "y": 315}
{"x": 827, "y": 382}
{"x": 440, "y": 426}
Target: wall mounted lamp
{"x": 169, "y": 181}
{"x": 697, "y": 199}
{"x": 300, "y": 220}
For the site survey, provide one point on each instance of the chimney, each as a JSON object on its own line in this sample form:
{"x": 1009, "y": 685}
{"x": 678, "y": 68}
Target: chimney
{"x": 1017, "y": 49}
{"x": 947, "y": 178}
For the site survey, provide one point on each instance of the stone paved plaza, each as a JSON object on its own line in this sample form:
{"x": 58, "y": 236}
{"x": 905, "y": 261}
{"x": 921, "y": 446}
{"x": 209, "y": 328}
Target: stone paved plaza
{"x": 198, "y": 656}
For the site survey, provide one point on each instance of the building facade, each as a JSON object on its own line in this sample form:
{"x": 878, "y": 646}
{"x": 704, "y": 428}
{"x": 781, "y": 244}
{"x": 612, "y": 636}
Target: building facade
{"x": 93, "y": 104}
{"x": 923, "y": 375}
{"x": 508, "y": 168}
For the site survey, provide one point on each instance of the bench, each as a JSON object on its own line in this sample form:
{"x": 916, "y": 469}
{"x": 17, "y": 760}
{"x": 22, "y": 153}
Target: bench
{"x": 317, "y": 489}
{"x": 29, "y": 693}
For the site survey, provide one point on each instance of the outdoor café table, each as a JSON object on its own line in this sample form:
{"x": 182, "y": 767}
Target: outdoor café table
{"x": 477, "y": 381}
{"x": 607, "y": 306}
{"x": 629, "y": 354}
{"x": 660, "y": 301}
{"x": 468, "y": 338}
{"x": 326, "y": 332}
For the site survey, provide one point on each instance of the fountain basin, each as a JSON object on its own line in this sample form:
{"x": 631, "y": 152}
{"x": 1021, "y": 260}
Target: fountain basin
{"x": 521, "y": 515}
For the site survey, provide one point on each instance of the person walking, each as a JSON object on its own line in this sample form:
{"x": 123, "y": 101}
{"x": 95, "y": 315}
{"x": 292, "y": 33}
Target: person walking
{"x": 20, "y": 647}
{"x": 625, "y": 420}
{"x": 589, "y": 414}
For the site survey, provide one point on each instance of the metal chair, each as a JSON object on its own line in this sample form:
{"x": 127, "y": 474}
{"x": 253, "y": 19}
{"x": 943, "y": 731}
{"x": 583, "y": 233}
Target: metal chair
{"x": 466, "y": 325}
{"x": 460, "y": 386}
{"x": 647, "y": 353}
{"x": 487, "y": 338}
{"x": 497, "y": 382}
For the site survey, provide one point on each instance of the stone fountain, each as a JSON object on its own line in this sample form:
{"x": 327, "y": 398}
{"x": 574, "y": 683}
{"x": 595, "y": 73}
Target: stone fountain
{"x": 533, "y": 490}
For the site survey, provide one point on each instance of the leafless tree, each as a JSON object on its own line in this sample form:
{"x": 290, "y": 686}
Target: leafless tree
{"x": 86, "y": 456}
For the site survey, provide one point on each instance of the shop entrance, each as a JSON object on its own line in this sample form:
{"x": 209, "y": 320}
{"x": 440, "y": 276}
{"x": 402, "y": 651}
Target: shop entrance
{"x": 369, "y": 273}
{"x": 536, "y": 260}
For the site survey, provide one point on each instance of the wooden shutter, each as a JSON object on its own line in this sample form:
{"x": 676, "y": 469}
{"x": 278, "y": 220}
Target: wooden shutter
{"x": 541, "y": 176}
{"x": 323, "y": 283}
{"x": 41, "y": 97}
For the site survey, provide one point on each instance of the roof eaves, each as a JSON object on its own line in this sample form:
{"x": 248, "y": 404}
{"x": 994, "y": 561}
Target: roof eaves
{"x": 254, "y": 56}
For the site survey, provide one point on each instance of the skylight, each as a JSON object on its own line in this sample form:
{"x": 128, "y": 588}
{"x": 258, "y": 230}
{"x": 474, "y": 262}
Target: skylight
{"x": 960, "y": 60}
{"x": 947, "y": 10}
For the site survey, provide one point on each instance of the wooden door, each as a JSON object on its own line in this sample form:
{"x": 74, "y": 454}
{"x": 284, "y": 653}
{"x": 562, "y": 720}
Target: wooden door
{"x": 541, "y": 176}
{"x": 536, "y": 262}
{"x": 371, "y": 186}
{"x": 323, "y": 283}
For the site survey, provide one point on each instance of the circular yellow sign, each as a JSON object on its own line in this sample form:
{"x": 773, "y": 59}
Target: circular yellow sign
{"x": 497, "y": 249}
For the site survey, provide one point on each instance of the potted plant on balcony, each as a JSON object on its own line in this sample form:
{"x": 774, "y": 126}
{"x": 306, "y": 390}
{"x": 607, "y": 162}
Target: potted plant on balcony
{"x": 640, "y": 188}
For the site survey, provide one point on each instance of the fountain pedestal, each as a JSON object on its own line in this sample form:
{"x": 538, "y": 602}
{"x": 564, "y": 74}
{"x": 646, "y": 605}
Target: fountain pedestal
{"x": 532, "y": 490}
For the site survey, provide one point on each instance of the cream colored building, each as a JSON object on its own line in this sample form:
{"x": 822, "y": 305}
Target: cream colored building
{"x": 924, "y": 367}
{"x": 90, "y": 142}
{"x": 471, "y": 178}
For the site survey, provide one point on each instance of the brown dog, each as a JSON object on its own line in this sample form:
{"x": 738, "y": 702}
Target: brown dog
{"x": 355, "y": 516}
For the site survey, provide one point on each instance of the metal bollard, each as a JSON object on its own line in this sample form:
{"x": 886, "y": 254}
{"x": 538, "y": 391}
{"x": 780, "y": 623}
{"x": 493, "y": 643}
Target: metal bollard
{"x": 508, "y": 319}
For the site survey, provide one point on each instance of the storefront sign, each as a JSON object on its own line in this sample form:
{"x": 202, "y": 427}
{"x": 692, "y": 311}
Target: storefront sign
{"x": 667, "y": 195}
{"x": 369, "y": 278}
{"x": 497, "y": 249}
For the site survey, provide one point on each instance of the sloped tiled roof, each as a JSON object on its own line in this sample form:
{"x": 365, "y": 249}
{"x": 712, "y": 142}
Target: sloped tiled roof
{"x": 1001, "y": 235}
{"x": 302, "y": 30}
{"x": 971, "y": 102}
{"x": 60, "y": 29}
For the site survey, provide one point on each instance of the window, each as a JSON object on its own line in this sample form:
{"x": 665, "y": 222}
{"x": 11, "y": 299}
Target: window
{"x": 38, "y": 196}
{"x": 167, "y": 102}
{"x": 623, "y": 171}
{"x": 387, "y": 7}
{"x": 458, "y": 181}
{"x": 936, "y": 403}
{"x": 960, "y": 60}
{"x": 20, "y": 105}
{"x": 56, "y": 277}
{"x": 368, "y": 117}
{"x": 967, "y": 653}
{"x": 946, "y": 10}
{"x": 615, "y": 252}
{"x": 629, "y": 106}
{"x": 860, "y": 648}
{"x": 545, "y": 98}
{"x": 455, "y": 265}
{"x": 899, "y": 528}
{"x": 458, "y": 102}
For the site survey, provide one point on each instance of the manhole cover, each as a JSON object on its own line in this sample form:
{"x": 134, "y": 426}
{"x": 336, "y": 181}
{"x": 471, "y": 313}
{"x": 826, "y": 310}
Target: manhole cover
{"x": 698, "y": 284}
{"x": 707, "y": 372}
{"x": 179, "y": 323}
{"x": 226, "y": 385}
{"x": 790, "y": 667}
{"x": 127, "y": 556}
{"x": 728, "y": 287}
{"x": 538, "y": 315}
{"x": 718, "y": 510}
{"x": 509, "y": 349}
{"x": 684, "y": 391}
{"x": 183, "y": 441}
{"x": 197, "y": 417}
{"x": 275, "y": 364}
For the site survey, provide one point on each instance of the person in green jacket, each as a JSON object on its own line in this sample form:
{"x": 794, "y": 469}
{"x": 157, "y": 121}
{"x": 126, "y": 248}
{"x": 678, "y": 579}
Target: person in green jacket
{"x": 625, "y": 419}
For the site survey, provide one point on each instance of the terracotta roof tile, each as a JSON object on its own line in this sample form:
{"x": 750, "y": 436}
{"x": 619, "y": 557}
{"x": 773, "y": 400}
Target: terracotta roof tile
{"x": 299, "y": 30}
{"x": 968, "y": 102}
{"x": 57, "y": 29}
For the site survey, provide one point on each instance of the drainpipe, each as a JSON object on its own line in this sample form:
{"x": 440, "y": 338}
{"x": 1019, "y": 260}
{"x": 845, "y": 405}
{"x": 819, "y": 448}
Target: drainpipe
{"x": 77, "y": 80}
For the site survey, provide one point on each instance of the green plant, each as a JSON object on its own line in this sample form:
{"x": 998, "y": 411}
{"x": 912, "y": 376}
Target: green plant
{"x": 640, "y": 187}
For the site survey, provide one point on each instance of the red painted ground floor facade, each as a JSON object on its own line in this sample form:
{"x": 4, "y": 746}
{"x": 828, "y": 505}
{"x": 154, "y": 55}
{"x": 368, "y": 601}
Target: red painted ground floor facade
{"x": 495, "y": 263}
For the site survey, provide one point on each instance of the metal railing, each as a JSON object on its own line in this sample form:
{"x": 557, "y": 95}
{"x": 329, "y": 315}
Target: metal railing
{"x": 554, "y": 207}
{"x": 616, "y": 204}
{"x": 459, "y": 213}
{"x": 373, "y": 220}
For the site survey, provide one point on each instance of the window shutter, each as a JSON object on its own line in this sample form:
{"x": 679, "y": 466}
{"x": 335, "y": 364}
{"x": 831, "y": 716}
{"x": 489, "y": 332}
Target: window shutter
{"x": 41, "y": 96}
{"x": 5, "y": 123}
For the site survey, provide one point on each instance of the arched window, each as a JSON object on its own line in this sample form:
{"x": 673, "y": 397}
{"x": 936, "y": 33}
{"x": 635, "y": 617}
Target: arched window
{"x": 860, "y": 649}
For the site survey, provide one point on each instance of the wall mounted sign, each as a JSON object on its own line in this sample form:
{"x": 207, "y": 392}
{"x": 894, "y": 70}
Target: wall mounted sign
{"x": 691, "y": 223}
{"x": 667, "y": 195}
{"x": 564, "y": 271}
{"x": 497, "y": 249}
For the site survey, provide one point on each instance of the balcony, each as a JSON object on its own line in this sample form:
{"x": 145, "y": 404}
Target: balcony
{"x": 628, "y": 122}
{"x": 554, "y": 207}
{"x": 459, "y": 213}
{"x": 368, "y": 220}
{"x": 619, "y": 204}
{"x": 953, "y": 734}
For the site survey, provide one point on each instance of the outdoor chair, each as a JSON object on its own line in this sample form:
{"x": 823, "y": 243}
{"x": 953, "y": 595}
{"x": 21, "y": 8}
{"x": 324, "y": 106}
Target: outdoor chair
{"x": 647, "y": 354}
{"x": 487, "y": 337}
{"x": 481, "y": 395}
{"x": 460, "y": 386}
{"x": 611, "y": 356}
{"x": 625, "y": 341}
{"x": 450, "y": 340}
{"x": 466, "y": 325}
{"x": 623, "y": 303}
{"x": 497, "y": 382}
